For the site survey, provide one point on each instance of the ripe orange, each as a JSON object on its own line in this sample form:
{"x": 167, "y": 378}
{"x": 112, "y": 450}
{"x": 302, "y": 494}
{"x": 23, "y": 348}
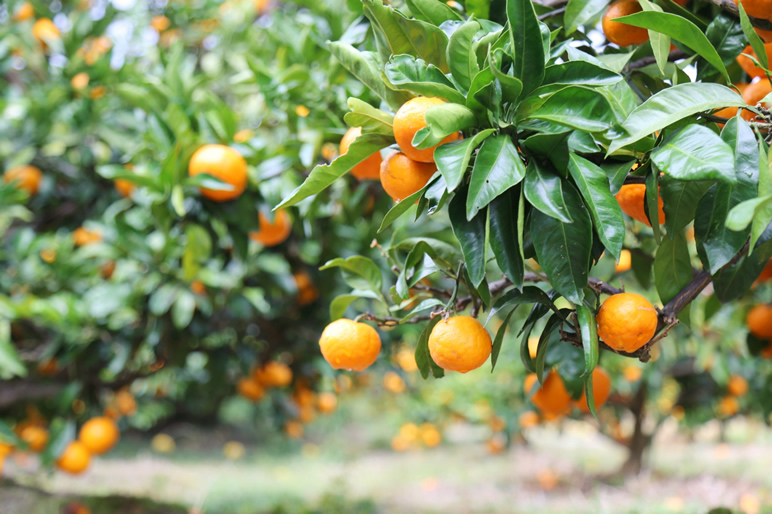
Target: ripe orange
{"x": 632, "y": 373}
{"x": 222, "y": 162}
{"x": 730, "y": 112}
{"x": 429, "y": 435}
{"x": 551, "y": 398}
{"x": 244, "y": 135}
{"x": 753, "y": 94}
{"x": 406, "y": 360}
{"x": 370, "y": 168}
{"x": 601, "y": 389}
{"x": 497, "y": 443}
{"x": 24, "y": 12}
{"x": 757, "y": 8}
{"x": 737, "y": 385}
{"x": 307, "y": 291}
{"x": 107, "y": 270}
{"x": 497, "y": 424}
{"x": 303, "y": 396}
{"x": 44, "y": 31}
{"x": 625, "y": 261}
{"x": 528, "y": 419}
{"x": 26, "y": 177}
{"x": 5, "y": 450}
{"x": 124, "y": 187}
{"x": 393, "y": 382}
{"x": 409, "y": 119}
{"x": 533, "y": 346}
{"x": 83, "y": 236}
{"x": 459, "y": 343}
{"x": 326, "y": 402}
{"x": 198, "y": 287}
{"x": 80, "y": 81}
{"x": 273, "y": 233}
{"x": 401, "y": 176}
{"x": 250, "y": 389}
{"x": 36, "y": 437}
{"x": 728, "y": 406}
{"x": 619, "y": 33}
{"x": 748, "y": 65}
{"x": 765, "y": 274}
{"x": 99, "y": 435}
{"x": 273, "y": 374}
{"x": 759, "y": 321}
{"x": 74, "y": 459}
{"x": 626, "y": 321}
{"x": 160, "y": 22}
{"x": 347, "y": 344}
{"x": 632, "y": 198}
{"x": 293, "y": 429}
{"x": 126, "y": 403}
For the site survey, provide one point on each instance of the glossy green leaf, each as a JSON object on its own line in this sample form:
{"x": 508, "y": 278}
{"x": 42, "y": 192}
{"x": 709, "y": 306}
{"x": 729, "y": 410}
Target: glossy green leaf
{"x": 527, "y": 46}
{"x": 462, "y": 60}
{"x": 651, "y": 205}
{"x": 499, "y": 339}
{"x": 672, "y": 267}
{"x": 660, "y": 43}
{"x": 745, "y": 212}
{"x": 471, "y": 235}
{"x": 404, "y": 205}
{"x": 764, "y": 216}
{"x": 433, "y": 11}
{"x": 442, "y": 121}
{"x": 340, "y": 303}
{"x": 510, "y": 86}
{"x": 497, "y": 167}
{"x": 544, "y": 190}
{"x": 695, "y": 153}
{"x": 580, "y": 72}
{"x": 10, "y": 362}
{"x": 563, "y": 249}
{"x": 680, "y": 198}
{"x": 588, "y": 328}
{"x": 423, "y": 358}
{"x": 576, "y": 107}
{"x": 369, "y": 118}
{"x": 407, "y": 72}
{"x": 505, "y": 243}
{"x": 358, "y": 272}
{"x": 581, "y": 12}
{"x": 756, "y": 43}
{"x": 452, "y": 159}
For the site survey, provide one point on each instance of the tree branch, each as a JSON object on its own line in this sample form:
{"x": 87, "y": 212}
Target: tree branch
{"x": 675, "y": 55}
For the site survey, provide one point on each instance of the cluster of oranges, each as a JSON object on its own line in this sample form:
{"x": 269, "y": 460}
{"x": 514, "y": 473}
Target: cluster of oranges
{"x": 759, "y": 321}
{"x": 553, "y": 401}
{"x": 412, "y": 436}
{"x": 272, "y": 374}
{"x": 729, "y": 405}
{"x": 755, "y": 91}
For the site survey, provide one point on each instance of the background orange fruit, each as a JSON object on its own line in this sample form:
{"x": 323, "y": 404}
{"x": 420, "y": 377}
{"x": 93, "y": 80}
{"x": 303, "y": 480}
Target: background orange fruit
{"x": 620, "y": 33}
{"x": 753, "y": 94}
{"x": 250, "y": 389}
{"x": 632, "y": 198}
{"x": 26, "y": 177}
{"x": 759, "y": 321}
{"x": 748, "y": 65}
{"x": 222, "y": 162}
{"x": 370, "y": 168}
{"x": 601, "y": 389}
{"x": 626, "y": 321}
{"x": 272, "y": 233}
{"x": 74, "y": 459}
{"x": 551, "y": 398}
{"x": 401, "y": 176}
{"x": 409, "y": 119}
{"x": 99, "y": 435}
{"x": 273, "y": 374}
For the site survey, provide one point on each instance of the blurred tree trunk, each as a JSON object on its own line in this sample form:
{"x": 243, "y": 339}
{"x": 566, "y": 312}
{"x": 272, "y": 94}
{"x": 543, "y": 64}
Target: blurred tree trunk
{"x": 639, "y": 441}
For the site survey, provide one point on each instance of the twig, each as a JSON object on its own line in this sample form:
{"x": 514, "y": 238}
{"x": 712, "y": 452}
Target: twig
{"x": 552, "y": 14}
{"x": 675, "y": 55}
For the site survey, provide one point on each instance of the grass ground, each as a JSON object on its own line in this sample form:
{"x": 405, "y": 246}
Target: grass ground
{"x": 555, "y": 472}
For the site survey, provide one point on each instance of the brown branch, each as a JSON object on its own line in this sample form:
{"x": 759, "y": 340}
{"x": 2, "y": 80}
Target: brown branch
{"x": 675, "y": 55}
{"x": 552, "y": 14}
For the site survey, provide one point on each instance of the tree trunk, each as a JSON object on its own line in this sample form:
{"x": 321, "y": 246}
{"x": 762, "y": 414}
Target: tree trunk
{"x": 639, "y": 441}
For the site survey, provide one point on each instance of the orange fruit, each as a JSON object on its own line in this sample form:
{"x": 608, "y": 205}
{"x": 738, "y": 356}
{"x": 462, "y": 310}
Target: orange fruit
{"x": 160, "y": 22}
{"x": 198, "y": 287}
{"x": 765, "y": 274}
{"x": 632, "y": 198}
{"x": 221, "y": 162}
{"x": 409, "y": 119}
{"x": 399, "y": 444}
{"x": 626, "y": 321}
{"x": 459, "y": 343}
{"x": 326, "y": 402}
{"x": 304, "y": 396}
{"x": 430, "y": 436}
{"x": 273, "y": 374}
{"x": 730, "y": 112}
{"x": 533, "y": 346}
{"x": 737, "y": 385}
{"x": 632, "y": 373}
{"x": 728, "y": 406}
{"x": 601, "y": 389}
{"x": 401, "y": 176}
{"x": 99, "y": 435}
{"x": 497, "y": 424}
{"x": 620, "y": 33}
{"x": 250, "y": 389}
{"x": 124, "y": 187}
{"x": 26, "y": 177}
{"x": 749, "y": 66}
{"x": 244, "y": 135}
{"x": 5, "y": 450}
{"x": 625, "y": 261}
{"x": 48, "y": 368}
{"x": 24, "y": 12}
{"x": 753, "y": 94}
{"x": 497, "y": 443}
{"x": 393, "y": 382}
{"x": 757, "y": 8}
{"x": 370, "y": 168}
{"x": 528, "y": 419}
{"x": 84, "y": 236}
{"x": 44, "y": 31}
{"x": 36, "y": 437}
{"x": 551, "y": 398}
{"x": 126, "y": 403}
{"x": 293, "y": 429}
{"x": 406, "y": 360}
{"x": 307, "y": 291}
{"x": 80, "y": 81}
{"x": 273, "y": 233}
{"x": 347, "y": 344}
{"x": 759, "y": 321}
{"x": 97, "y": 92}
{"x": 74, "y": 459}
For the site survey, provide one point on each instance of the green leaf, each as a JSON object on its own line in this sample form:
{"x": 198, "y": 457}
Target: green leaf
{"x": 671, "y": 105}
{"x": 183, "y": 309}
{"x": 680, "y": 198}
{"x": 651, "y": 205}
{"x": 582, "y": 12}
{"x": 617, "y": 173}
{"x": 764, "y": 217}
{"x": 529, "y": 294}
{"x": 527, "y": 46}
{"x": 415, "y": 75}
{"x": 753, "y": 38}
{"x": 485, "y": 93}
{"x": 471, "y": 235}
{"x": 499, "y": 339}
{"x": 504, "y": 239}
{"x": 563, "y": 249}
{"x": 672, "y": 267}
{"x": 422, "y": 356}
{"x": 511, "y": 87}
{"x": 580, "y": 72}
{"x": 497, "y": 167}
{"x": 442, "y": 121}
{"x": 544, "y": 190}
{"x": 396, "y": 34}
{"x": 452, "y": 159}
{"x": 695, "y": 153}
{"x": 576, "y": 107}
{"x": 680, "y": 29}
{"x": 461, "y": 56}
{"x": 745, "y": 212}
{"x": 604, "y": 208}
{"x": 732, "y": 282}
{"x": 198, "y": 248}
{"x": 369, "y": 118}
{"x": 340, "y": 303}
{"x": 404, "y": 205}
{"x": 588, "y": 328}
{"x": 433, "y": 11}
{"x": 178, "y": 200}
{"x": 324, "y": 175}
{"x": 358, "y": 272}
{"x": 366, "y": 68}
{"x": 544, "y": 339}
{"x": 660, "y": 43}
{"x": 10, "y": 362}
{"x": 62, "y": 433}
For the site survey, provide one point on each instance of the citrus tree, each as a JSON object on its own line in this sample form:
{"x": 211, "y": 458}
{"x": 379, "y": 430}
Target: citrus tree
{"x": 534, "y": 159}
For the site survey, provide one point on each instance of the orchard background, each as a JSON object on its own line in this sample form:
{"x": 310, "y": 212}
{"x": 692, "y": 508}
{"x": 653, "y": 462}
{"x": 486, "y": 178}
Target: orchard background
{"x": 417, "y": 256}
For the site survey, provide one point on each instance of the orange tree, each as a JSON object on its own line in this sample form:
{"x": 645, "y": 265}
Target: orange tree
{"x": 527, "y": 151}
{"x": 144, "y": 275}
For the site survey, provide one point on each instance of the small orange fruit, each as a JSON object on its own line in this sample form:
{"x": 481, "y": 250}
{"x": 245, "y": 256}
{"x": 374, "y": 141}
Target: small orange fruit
{"x": 401, "y": 176}
{"x": 626, "y": 321}
{"x": 730, "y": 112}
{"x": 765, "y": 274}
{"x": 625, "y": 261}
{"x": 632, "y": 198}
{"x": 757, "y": 8}
{"x": 347, "y": 344}
{"x": 36, "y": 437}
{"x": 754, "y": 94}
{"x": 748, "y": 65}
{"x": 393, "y": 382}
{"x": 632, "y": 373}
{"x": 273, "y": 233}
{"x": 26, "y": 177}
{"x": 370, "y": 168}
{"x": 44, "y": 31}
{"x": 83, "y": 236}
{"x": 409, "y": 119}
{"x": 198, "y": 287}
{"x": 551, "y": 398}
{"x": 737, "y": 385}
{"x": 533, "y": 346}
{"x": 250, "y": 389}
{"x": 406, "y": 359}
{"x": 160, "y": 22}
{"x": 326, "y": 402}
{"x": 497, "y": 424}
{"x": 497, "y": 443}
{"x": 242, "y": 136}
{"x": 224, "y": 163}
{"x": 528, "y": 419}
{"x": 126, "y": 403}
{"x": 759, "y": 321}
{"x": 24, "y": 12}
{"x": 399, "y": 444}
{"x": 5, "y": 450}
{"x": 303, "y": 396}
{"x": 430, "y": 435}
{"x": 293, "y": 429}
{"x": 601, "y": 389}
{"x": 48, "y": 368}
{"x": 74, "y": 459}
{"x": 124, "y": 187}
{"x": 307, "y": 291}
{"x": 459, "y": 343}
{"x": 99, "y": 435}
{"x": 80, "y": 81}
{"x": 620, "y": 33}
{"x": 273, "y": 374}
{"x": 728, "y": 406}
